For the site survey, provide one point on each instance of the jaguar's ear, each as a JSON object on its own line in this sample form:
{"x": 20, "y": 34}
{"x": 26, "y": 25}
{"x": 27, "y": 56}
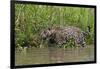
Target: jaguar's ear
{"x": 49, "y": 28}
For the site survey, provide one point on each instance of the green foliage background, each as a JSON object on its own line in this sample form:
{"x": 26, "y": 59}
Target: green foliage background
{"x": 31, "y": 19}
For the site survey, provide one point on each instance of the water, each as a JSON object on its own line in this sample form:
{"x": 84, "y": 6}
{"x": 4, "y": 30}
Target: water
{"x": 31, "y": 56}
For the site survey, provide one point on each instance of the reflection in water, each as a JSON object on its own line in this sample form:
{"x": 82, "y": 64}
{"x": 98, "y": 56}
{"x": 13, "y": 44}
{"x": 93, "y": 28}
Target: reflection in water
{"x": 56, "y": 54}
{"x": 53, "y": 55}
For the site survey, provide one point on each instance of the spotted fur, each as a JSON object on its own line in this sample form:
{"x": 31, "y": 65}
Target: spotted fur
{"x": 61, "y": 35}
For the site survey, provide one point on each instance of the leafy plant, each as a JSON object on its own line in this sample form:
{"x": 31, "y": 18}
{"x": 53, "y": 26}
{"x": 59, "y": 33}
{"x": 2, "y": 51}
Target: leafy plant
{"x": 31, "y": 19}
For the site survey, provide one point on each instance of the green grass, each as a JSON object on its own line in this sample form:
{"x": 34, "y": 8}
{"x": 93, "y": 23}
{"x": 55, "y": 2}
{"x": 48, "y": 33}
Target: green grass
{"x": 31, "y": 19}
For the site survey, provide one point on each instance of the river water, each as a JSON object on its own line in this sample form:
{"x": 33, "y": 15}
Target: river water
{"x": 31, "y": 56}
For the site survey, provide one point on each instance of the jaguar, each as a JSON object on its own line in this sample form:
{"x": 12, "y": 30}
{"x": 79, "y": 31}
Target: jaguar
{"x": 61, "y": 35}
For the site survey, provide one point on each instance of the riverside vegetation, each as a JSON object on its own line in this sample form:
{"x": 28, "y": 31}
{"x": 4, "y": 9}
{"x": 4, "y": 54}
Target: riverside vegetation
{"x": 30, "y": 20}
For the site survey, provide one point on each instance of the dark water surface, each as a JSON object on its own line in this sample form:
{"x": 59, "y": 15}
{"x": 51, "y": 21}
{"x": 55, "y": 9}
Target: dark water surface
{"x": 50, "y": 55}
